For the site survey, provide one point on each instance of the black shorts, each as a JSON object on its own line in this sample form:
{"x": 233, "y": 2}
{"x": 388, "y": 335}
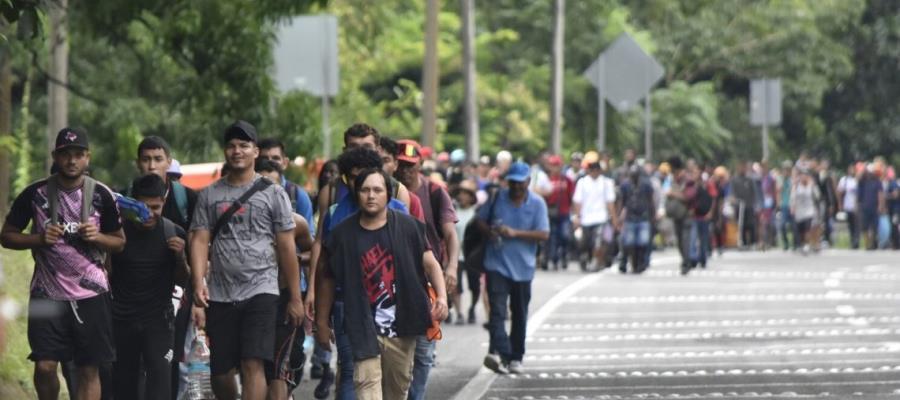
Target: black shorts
{"x": 288, "y": 357}
{"x": 240, "y": 330}
{"x": 79, "y": 330}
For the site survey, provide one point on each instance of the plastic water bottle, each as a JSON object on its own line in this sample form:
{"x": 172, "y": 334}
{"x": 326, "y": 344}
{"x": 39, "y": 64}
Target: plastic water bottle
{"x": 198, "y": 370}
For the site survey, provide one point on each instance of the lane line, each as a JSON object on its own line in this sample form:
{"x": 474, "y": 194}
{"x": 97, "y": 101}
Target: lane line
{"x": 479, "y": 385}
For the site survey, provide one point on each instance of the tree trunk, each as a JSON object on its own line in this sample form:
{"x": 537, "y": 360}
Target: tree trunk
{"x": 58, "y": 71}
{"x": 473, "y": 149}
{"x": 556, "y": 92}
{"x": 5, "y": 126}
{"x": 430, "y": 74}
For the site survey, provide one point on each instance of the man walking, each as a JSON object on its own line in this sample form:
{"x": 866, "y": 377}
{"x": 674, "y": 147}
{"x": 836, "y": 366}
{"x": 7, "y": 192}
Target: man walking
{"x": 440, "y": 231}
{"x": 518, "y": 222}
{"x": 74, "y": 224}
{"x": 243, "y": 224}
{"x": 379, "y": 257}
{"x": 273, "y": 150}
{"x": 142, "y": 279}
{"x": 593, "y": 210}
{"x": 154, "y": 156}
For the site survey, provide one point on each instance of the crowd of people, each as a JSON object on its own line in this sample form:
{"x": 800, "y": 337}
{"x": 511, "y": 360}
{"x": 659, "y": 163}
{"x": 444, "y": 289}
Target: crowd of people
{"x": 374, "y": 259}
{"x": 125, "y": 281}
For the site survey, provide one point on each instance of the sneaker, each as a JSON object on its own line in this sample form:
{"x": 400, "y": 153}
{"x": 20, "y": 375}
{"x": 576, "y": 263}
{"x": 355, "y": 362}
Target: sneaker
{"x": 460, "y": 320}
{"x": 471, "y": 316}
{"x": 515, "y": 367}
{"x": 494, "y": 363}
{"x": 316, "y": 371}
{"x": 323, "y": 389}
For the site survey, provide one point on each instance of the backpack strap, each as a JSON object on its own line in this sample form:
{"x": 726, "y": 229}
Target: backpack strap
{"x": 87, "y": 198}
{"x": 435, "y": 198}
{"x": 259, "y": 185}
{"x": 168, "y": 228}
{"x": 181, "y": 199}
{"x": 53, "y": 199}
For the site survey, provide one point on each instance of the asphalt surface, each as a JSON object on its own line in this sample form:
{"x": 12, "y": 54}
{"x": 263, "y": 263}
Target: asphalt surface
{"x": 753, "y": 325}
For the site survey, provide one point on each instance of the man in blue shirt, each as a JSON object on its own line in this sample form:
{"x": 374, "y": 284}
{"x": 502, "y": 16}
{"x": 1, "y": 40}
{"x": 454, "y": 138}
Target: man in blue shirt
{"x": 273, "y": 150}
{"x": 517, "y": 221}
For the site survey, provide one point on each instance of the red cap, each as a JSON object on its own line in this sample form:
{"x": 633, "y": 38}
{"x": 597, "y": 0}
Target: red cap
{"x": 409, "y": 151}
{"x": 426, "y": 151}
{"x": 554, "y": 160}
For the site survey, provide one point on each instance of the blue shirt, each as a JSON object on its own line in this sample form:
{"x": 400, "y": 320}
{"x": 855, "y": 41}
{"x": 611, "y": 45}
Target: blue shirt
{"x": 303, "y": 205}
{"x": 515, "y": 258}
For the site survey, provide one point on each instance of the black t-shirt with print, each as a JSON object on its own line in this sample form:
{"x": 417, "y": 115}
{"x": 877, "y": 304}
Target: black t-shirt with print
{"x": 378, "y": 277}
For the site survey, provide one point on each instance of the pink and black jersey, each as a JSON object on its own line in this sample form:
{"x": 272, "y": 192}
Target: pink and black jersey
{"x": 71, "y": 269}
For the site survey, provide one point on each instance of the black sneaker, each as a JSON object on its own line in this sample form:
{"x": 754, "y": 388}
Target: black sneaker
{"x": 494, "y": 363}
{"x": 471, "y": 316}
{"x": 323, "y": 389}
{"x": 316, "y": 371}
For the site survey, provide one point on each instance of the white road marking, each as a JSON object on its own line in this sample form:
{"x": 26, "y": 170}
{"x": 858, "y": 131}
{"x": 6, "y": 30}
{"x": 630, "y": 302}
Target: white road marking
{"x": 735, "y": 298}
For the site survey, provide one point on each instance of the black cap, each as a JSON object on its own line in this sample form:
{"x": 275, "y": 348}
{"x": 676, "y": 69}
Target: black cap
{"x": 71, "y": 137}
{"x": 240, "y": 130}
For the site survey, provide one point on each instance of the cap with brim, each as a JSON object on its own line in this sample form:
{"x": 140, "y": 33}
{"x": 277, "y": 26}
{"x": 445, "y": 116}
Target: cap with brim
{"x": 241, "y": 130}
{"x": 174, "y": 168}
{"x": 409, "y": 151}
{"x": 71, "y": 137}
{"x": 467, "y": 186}
{"x": 518, "y": 172}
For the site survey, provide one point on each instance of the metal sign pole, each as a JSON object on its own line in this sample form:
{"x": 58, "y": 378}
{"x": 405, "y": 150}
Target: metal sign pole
{"x": 601, "y": 122}
{"x": 648, "y": 130}
{"x": 765, "y": 125}
{"x": 601, "y": 113}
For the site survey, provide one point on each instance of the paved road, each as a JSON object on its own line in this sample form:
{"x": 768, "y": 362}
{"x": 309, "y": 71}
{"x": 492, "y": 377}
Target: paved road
{"x": 753, "y": 325}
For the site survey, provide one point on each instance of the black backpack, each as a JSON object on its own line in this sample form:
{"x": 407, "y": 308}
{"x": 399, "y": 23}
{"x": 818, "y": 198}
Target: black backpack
{"x": 703, "y": 202}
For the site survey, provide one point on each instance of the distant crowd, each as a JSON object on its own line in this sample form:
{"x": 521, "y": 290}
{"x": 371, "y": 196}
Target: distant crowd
{"x": 157, "y": 291}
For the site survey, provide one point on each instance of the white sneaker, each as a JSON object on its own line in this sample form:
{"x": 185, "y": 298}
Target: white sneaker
{"x": 515, "y": 367}
{"x": 494, "y": 363}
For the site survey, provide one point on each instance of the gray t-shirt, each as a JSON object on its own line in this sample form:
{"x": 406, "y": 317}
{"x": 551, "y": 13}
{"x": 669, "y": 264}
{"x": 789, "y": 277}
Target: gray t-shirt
{"x": 244, "y": 262}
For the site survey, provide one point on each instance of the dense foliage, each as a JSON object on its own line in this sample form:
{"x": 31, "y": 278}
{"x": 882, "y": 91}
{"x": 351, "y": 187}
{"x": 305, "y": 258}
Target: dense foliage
{"x": 182, "y": 69}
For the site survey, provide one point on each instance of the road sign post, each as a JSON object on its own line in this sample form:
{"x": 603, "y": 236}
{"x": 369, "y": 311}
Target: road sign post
{"x": 306, "y": 58}
{"x": 623, "y": 74}
{"x": 765, "y": 108}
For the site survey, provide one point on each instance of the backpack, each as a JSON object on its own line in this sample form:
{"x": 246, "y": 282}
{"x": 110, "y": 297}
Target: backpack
{"x": 703, "y": 202}
{"x": 181, "y": 199}
{"x": 434, "y": 198}
{"x": 675, "y": 208}
{"x": 87, "y": 198}
{"x": 291, "y": 188}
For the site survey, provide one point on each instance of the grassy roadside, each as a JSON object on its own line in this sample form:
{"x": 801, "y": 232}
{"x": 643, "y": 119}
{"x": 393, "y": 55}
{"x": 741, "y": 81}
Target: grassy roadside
{"x": 15, "y": 369}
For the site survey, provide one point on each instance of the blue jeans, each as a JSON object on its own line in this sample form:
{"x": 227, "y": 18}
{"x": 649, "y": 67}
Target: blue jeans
{"x": 699, "y": 241}
{"x": 424, "y": 360}
{"x": 636, "y": 233}
{"x": 559, "y": 238}
{"x": 785, "y": 225}
{"x": 320, "y": 356}
{"x": 505, "y": 293}
{"x": 344, "y": 389}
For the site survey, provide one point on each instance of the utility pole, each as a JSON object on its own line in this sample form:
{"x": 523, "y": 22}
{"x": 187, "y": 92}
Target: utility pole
{"x": 5, "y": 122}
{"x": 473, "y": 149}
{"x": 430, "y": 74}
{"x": 556, "y": 92}
{"x": 58, "y": 70}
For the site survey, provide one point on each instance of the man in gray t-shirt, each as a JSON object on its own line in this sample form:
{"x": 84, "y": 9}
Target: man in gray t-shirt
{"x": 243, "y": 257}
{"x": 240, "y": 293}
